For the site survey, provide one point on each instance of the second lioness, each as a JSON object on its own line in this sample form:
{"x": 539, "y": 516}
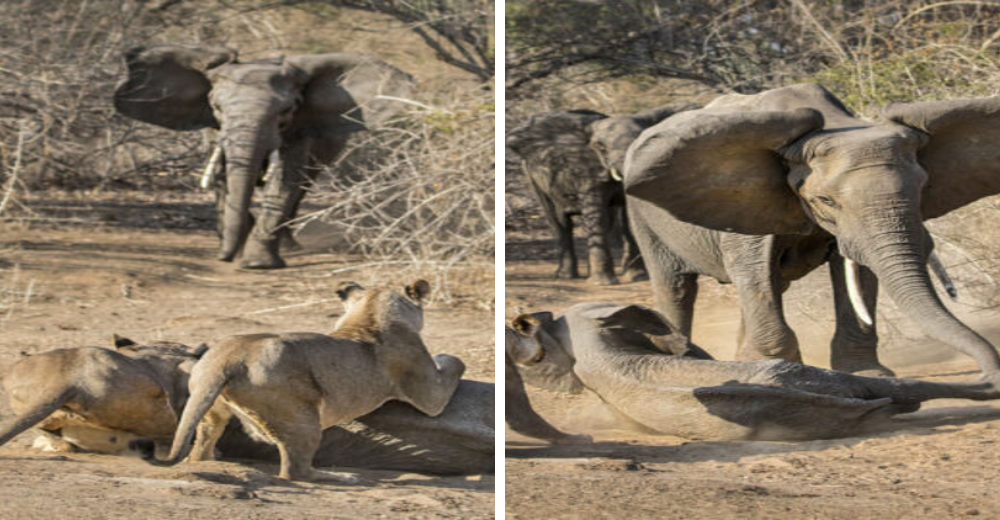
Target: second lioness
{"x": 287, "y": 388}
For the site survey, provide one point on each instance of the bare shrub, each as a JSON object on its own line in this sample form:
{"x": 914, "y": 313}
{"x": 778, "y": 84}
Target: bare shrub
{"x": 419, "y": 194}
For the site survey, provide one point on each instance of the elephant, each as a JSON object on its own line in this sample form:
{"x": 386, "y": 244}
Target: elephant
{"x": 611, "y": 350}
{"x": 758, "y": 190}
{"x": 288, "y": 116}
{"x": 572, "y": 160}
{"x": 521, "y": 348}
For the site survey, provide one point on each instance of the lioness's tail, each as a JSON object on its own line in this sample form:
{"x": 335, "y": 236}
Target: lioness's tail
{"x": 205, "y": 389}
{"x": 15, "y": 426}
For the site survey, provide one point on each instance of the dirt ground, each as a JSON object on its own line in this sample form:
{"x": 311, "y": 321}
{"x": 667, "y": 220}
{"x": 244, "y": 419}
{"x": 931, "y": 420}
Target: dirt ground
{"x": 83, "y": 267}
{"x": 940, "y": 462}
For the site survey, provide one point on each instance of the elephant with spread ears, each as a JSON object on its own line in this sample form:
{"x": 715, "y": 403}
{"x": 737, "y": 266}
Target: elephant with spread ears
{"x": 758, "y": 190}
{"x": 288, "y": 116}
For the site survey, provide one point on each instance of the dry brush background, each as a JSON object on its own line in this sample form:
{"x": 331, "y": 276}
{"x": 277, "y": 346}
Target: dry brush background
{"x": 618, "y": 57}
{"x": 417, "y": 196}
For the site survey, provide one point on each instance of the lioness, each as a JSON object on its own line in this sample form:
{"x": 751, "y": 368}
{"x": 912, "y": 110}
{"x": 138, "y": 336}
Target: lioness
{"x": 289, "y": 387}
{"x": 98, "y": 399}
{"x": 521, "y": 347}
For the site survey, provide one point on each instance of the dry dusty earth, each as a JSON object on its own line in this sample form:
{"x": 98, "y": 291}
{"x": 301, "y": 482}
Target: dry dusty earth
{"x": 145, "y": 270}
{"x": 941, "y": 462}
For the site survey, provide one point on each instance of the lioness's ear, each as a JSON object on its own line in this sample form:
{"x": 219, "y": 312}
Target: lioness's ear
{"x": 418, "y": 291}
{"x": 345, "y": 289}
{"x": 544, "y": 318}
{"x": 526, "y": 325}
{"x": 200, "y": 350}
{"x": 121, "y": 341}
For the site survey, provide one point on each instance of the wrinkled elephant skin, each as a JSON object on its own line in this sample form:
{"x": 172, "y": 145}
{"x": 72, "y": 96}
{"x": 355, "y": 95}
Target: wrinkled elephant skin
{"x": 759, "y": 190}
{"x": 611, "y": 350}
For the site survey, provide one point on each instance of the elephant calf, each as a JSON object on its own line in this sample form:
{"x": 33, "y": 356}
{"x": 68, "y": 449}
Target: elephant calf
{"x": 573, "y": 161}
{"x": 522, "y": 348}
{"x": 610, "y": 350}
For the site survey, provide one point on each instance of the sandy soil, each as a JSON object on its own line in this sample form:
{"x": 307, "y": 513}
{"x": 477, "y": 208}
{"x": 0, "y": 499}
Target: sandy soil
{"x": 940, "y": 462}
{"x": 145, "y": 270}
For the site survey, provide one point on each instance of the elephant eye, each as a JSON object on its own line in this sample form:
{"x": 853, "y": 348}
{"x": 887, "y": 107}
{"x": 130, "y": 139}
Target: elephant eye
{"x": 826, "y": 201}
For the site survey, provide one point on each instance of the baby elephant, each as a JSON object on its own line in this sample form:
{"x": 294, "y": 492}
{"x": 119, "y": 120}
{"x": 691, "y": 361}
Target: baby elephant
{"x": 98, "y": 399}
{"x": 522, "y": 348}
{"x": 287, "y": 388}
{"x": 612, "y": 350}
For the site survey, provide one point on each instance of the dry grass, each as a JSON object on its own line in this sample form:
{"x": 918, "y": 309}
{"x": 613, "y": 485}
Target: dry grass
{"x": 419, "y": 195}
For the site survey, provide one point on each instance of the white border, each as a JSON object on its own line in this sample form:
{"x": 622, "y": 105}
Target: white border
{"x": 498, "y": 284}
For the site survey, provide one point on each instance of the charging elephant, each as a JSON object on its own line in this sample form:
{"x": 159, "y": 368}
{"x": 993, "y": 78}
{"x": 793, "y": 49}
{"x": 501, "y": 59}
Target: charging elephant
{"x": 289, "y": 116}
{"x": 612, "y": 351}
{"x": 759, "y": 190}
{"x": 572, "y": 160}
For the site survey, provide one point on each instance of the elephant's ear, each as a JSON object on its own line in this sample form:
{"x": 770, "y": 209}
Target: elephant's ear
{"x": 962, "y": 156}
{"x": 167, "y": 86}
{"x": 346, "y": 93}
{"x": 722, "y": 171}
{"x": 634, "y": 317}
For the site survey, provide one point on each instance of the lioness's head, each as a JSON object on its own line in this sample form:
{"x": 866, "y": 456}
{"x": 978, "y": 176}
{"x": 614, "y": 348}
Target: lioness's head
{"x": 521, "y": 342}
{"x": 368, "y": 313}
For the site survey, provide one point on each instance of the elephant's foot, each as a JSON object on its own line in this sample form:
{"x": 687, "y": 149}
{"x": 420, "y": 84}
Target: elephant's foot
{"x": 226, "y": 256}
{"x": 603, "y": 280}
{"x": 287, "y": 240}
{"x": 566, "y": 274}
{"x": 635, "y": 275}
{"x": 750, "y": 353}
{"x": 863, "y": 368}
{"x": 260, "y": 254}
{"x": 857, "y": 358}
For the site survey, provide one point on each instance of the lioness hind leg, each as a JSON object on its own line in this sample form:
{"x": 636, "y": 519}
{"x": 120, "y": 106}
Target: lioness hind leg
{"x": 297, "y": 433}
{"x": 209, "y": 430}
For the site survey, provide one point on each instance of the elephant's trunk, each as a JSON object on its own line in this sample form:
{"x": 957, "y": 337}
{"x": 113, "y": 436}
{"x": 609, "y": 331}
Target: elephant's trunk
{"x": 245, "y": 153}
{"x": 899, "y": 261}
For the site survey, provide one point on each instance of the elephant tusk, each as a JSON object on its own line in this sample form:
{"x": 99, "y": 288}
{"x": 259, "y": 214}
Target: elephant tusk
{"x": 942, "y": 275}
{"x": 272, "y": 165}
{"x": 616, "y": 175}
{"x": 854, "y": 291}
{"x": 211, "y": 168}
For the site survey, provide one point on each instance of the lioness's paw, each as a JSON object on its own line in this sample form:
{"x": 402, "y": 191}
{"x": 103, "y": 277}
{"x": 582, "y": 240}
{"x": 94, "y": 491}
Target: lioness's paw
{"x": 52, "y": 445}
{"x": 333, "y": 476}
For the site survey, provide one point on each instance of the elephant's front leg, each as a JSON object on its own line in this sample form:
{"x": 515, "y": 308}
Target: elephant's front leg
{"x": 633, "y": 267}
{"x": 854, "y": 346}
{"x": 597, "y": 225}
{"x": 283, "y": 190}
{"x": 764, "y": 334}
